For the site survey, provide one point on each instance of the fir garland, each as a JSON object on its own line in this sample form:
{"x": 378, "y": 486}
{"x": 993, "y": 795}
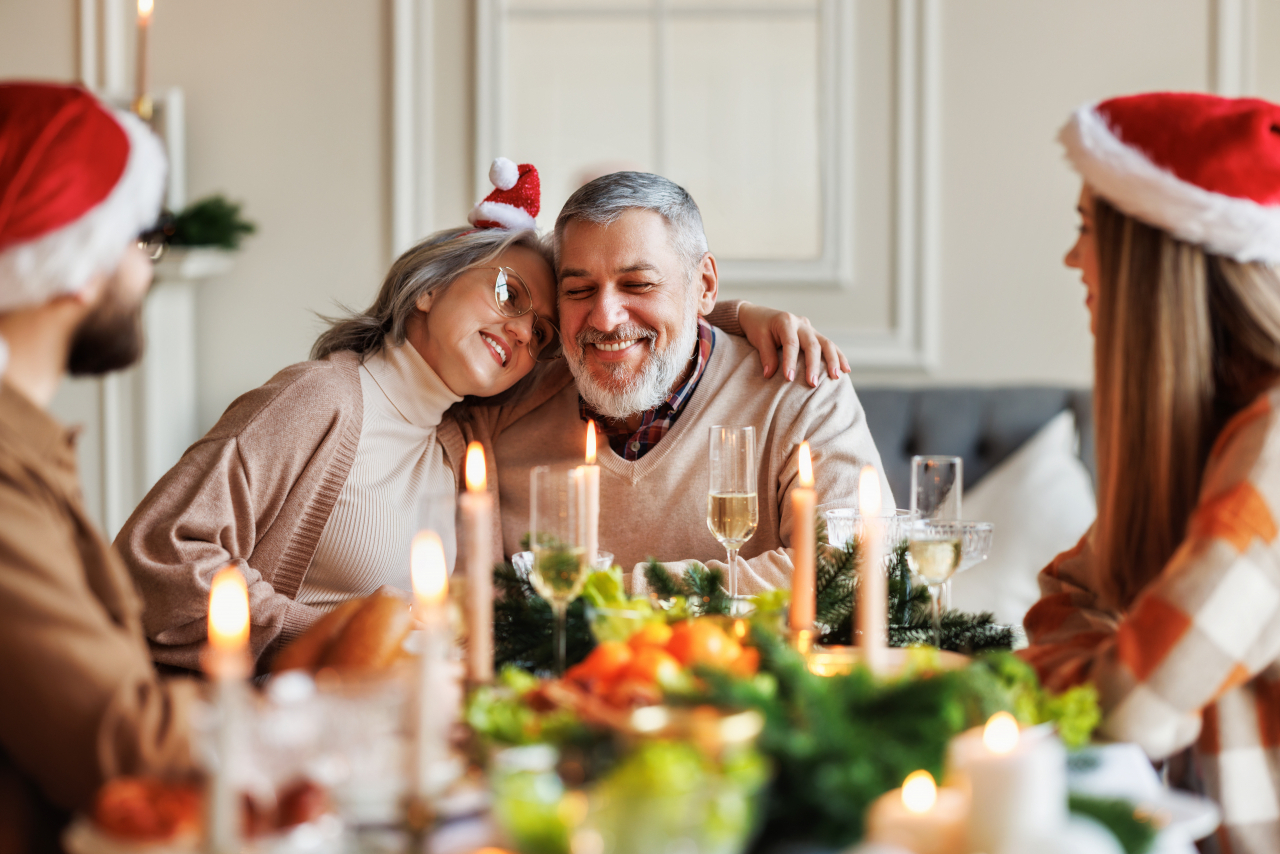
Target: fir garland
{"x": 910, "y": 614}
{"x": 523, "y": 621}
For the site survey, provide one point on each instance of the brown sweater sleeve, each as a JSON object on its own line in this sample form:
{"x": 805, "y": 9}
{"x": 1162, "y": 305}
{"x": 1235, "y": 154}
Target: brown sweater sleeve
{"x": 81, "y": 699}
{"x": 725, "y": 316}
{"x": 255, "y": 493}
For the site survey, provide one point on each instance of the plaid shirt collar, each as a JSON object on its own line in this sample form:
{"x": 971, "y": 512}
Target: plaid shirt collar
{"x": 656, "y": 422}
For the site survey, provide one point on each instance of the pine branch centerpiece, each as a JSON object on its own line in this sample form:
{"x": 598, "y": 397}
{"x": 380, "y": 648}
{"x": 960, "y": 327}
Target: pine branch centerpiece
{"x": 523, "y": 621}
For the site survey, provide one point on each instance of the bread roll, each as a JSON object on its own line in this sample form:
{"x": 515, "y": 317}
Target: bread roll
{"x": 307, "y": 650}
{"x": 373, "y": 635}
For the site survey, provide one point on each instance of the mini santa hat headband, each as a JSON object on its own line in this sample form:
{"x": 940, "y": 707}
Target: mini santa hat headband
{"x": 1204, "y": 168}
{"x": 515, "y": 200}
{"x": 78, "y": 182}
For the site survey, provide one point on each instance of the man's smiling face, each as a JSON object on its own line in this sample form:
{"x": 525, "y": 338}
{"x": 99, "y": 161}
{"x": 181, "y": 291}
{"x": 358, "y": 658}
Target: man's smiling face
{"x": 629, "y": 306}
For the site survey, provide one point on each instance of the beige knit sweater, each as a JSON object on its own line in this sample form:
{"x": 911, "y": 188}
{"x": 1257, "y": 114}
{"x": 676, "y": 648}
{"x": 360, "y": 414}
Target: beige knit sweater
{"x": 657, "y": 506}
{"x": 256, "y": 492}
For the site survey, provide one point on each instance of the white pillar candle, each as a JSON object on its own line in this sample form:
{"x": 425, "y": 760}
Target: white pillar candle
{"x": 873, "y": 594}
{"x": 802, "y": 535}
{"x": 477, "y": 530}
{"x": 430, "y": 734}
{"x": 1018, "y": 782}
{"x": 141, "y": 100}
{"x": 228, "y": 666}
{"x": 920, "y": 817}
{"x": 591, "y": 509}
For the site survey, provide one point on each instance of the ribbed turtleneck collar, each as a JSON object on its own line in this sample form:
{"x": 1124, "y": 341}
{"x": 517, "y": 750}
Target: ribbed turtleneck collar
{"x": 414, "y": 389}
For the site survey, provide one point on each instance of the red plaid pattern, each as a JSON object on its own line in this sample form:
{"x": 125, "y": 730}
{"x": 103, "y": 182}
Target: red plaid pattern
{"x": 1196, "y": 660}
{"x": 634, "y": 445}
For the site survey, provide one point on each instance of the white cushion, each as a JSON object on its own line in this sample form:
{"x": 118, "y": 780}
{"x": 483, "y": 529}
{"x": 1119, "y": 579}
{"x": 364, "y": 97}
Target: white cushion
{"x": 1041, "y": 502}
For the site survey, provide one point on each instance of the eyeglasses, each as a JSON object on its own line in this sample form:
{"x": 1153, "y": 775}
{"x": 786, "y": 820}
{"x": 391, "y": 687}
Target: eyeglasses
{"x": 515, "y": 299}
{"x": 154, "y": 241}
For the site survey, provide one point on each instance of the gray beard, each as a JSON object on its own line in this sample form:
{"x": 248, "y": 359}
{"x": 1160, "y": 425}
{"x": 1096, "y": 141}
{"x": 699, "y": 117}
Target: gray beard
{"x": 624, "y": 393}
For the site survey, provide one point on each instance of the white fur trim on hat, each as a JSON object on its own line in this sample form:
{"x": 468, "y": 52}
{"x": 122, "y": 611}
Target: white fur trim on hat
{"x": 63, "y": 261}
{"x": 1224, "y": 225}
{"x": 504, "y": 174}
{"x": 507, "y": 216}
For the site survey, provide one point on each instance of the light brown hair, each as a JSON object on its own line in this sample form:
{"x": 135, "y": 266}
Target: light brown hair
{"x": 1184, "y": 340}
{"x": 431, "y": 265}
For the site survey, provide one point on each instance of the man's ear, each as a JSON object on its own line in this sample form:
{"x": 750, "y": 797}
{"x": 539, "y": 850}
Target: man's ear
{"x": 91, "y": 292}
{"x": 707, "y": 281}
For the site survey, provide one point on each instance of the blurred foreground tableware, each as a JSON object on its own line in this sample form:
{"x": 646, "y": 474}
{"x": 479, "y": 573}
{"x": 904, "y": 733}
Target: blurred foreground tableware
{"x": 681, "y": 777}
{"x": 1123, "y": 771}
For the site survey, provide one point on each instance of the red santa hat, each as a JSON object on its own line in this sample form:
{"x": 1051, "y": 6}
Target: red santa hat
{"x": 78, "y": 182}
{"x": 1204, "y": 168}
{"x": 515, "y": 200}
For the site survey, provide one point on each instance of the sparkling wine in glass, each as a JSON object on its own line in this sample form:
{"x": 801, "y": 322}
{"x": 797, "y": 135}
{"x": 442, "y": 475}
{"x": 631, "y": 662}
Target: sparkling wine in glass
{"x": 558, "y": 538}
{"x": 732, "y": 508}
{"x": 934, "y": 549}
{"x": 937, "y": 488}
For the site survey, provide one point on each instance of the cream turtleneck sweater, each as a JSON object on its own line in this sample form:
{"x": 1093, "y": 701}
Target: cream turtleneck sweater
{"x": 399, "y": 474}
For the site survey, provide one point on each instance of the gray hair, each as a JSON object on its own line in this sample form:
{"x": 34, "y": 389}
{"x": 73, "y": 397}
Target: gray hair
{"x": 430, "y": 266}
{"x": 606, "y": 198}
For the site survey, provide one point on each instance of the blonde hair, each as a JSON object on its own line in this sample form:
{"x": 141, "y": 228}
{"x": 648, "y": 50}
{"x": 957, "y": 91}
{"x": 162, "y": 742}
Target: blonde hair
{"x": 431, "y": 265}
{"x": 1185, "y": 339}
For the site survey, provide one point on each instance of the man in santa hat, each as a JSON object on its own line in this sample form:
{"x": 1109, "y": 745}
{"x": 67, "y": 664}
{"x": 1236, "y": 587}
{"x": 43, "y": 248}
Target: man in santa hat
{"x": 82, "y": 702}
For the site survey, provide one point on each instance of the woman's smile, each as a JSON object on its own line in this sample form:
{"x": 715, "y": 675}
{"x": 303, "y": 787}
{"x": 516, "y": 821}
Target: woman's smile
{"x": 498, "y": 346}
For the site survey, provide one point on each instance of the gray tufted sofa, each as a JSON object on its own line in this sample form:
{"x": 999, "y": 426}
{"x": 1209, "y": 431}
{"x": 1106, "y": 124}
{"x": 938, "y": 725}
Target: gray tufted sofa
{"x": 984, "y": 425}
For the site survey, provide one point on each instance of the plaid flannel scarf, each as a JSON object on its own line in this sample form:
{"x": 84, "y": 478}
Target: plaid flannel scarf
{"x": 633, "y": 445}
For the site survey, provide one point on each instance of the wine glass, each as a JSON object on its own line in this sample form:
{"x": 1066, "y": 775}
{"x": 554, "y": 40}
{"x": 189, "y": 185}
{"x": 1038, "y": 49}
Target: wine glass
{"x": 937, "y": 484}
{"x": 974, "y": 548}
{"x": 732, "y": 508}
{"x": 937, "y": 487}
{"x": 845, "y": 523}
{"x": 558, "y": 537}
{"x": 935, "y": 548}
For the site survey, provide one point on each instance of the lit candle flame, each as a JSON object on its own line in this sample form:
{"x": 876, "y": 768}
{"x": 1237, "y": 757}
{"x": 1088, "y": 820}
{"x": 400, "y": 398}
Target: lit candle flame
{"x": 475, "y": 467}
{"x": 228, "y": 611}
{"x": 1001, "y": 733}
{"x": 591, "y": 443}
{"x": 146, "y": 7}
{"x": 806, "y": 466}
{"x": 919, "y": 792}
{"x": 426, "y": 565}
{"x": 869, "y": 492}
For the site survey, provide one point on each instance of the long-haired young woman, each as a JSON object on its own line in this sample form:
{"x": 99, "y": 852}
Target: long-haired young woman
{"x": 1170, "y": 604}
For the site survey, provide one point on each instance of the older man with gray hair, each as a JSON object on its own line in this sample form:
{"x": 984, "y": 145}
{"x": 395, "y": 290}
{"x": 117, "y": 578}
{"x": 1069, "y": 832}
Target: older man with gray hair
{"x": 636, "y": 284}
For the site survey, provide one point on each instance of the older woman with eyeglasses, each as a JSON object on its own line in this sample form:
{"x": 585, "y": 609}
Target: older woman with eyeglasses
{"x": 311, "y": 484}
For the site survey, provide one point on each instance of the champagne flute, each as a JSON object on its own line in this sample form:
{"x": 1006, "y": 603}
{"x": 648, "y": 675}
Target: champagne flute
{"x": 732, "y": 508}
{"x": 937, "y": 488}
{"x": 935, "y": 548}
{"x": 558, "y": 537}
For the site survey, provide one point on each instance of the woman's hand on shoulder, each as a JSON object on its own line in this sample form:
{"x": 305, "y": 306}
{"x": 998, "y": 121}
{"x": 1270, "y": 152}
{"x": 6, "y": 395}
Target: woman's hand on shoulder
{"x": 781, "y": 337}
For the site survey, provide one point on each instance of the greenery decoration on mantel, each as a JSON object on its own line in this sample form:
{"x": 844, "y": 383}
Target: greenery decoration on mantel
{"x": 212, "y": 221}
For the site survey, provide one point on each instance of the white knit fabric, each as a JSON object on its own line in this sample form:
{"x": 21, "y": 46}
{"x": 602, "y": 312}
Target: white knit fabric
{"x": 399, "y": 465}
